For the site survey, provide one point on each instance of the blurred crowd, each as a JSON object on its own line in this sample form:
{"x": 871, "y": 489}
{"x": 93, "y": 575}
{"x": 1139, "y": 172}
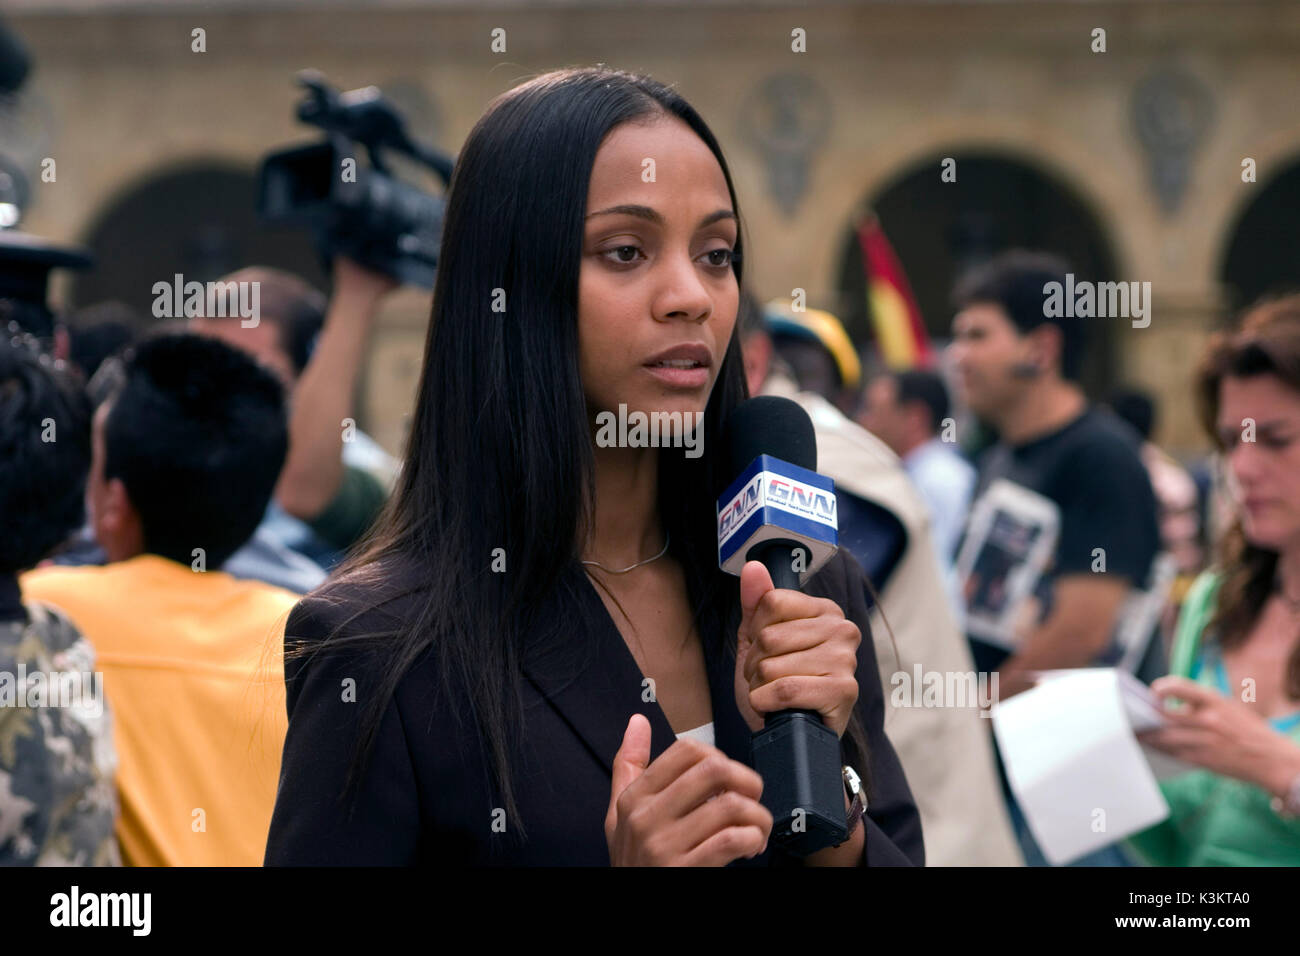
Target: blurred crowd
{"x": 1008, "y": 523}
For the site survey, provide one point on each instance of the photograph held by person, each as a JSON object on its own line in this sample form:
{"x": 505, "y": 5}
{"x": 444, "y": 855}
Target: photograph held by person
{"x": 946, "y": 752}
{"x": 1233, "y": 692}
{"x": 185, "y": 452}
{"x": 58, "y": 804}
{"x": 541, "y": 643}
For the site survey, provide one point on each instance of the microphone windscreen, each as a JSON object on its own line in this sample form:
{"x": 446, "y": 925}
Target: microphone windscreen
{"x": 770, "y": 425}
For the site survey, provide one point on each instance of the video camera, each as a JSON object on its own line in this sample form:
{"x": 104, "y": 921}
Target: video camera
{"x": 363, "y": 212}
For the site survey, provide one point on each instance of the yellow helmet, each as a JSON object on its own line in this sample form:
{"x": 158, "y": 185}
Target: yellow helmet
{"x": 780, "y": 318}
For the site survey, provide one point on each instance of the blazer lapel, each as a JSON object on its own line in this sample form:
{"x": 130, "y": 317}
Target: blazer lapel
{"x": 592, "y": 679}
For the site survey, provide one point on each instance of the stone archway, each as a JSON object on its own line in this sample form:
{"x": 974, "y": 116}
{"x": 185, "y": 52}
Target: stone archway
{"x": 1000, "y": 200}
{"x": 1262, "y": 251}
{"x": 198, "y": 219}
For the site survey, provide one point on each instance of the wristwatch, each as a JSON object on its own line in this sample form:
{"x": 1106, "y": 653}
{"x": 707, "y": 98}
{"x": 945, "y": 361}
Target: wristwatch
{"x": 1289, "y": 805}
{"x": 857, "y": 800}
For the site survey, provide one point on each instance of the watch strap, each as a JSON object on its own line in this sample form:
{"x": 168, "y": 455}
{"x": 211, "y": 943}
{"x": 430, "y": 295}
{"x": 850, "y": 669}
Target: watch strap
{"x": 857, "y": 801}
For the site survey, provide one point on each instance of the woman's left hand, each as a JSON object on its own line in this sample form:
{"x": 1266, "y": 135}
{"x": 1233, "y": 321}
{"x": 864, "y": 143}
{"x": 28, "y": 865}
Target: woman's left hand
{"x": 793, "y": 651}
{"x": 1220, "y": 734}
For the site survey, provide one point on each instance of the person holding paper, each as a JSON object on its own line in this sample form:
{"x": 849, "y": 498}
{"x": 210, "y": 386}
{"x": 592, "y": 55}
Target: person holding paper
{"x": 1235, "y": 664}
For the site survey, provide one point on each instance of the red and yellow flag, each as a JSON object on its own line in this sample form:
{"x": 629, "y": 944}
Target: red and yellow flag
{"x": 895, "y": 317}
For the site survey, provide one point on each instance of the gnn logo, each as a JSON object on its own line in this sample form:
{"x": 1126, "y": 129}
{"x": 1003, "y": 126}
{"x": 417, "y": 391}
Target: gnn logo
{"x": 778, "y": 491}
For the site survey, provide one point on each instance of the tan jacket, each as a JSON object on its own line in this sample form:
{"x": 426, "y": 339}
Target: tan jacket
{"x": 946, "y": 751}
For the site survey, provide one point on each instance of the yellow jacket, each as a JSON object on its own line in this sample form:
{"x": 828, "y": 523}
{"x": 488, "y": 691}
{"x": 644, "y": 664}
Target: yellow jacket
{"x": 193, "y": 668}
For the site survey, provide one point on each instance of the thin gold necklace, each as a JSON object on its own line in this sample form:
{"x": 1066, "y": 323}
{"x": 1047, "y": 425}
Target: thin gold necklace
{"x": 631, "y": 567}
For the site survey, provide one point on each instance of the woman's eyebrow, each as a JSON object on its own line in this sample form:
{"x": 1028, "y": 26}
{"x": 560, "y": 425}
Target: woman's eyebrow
{"x": 652, "y": 215}
{"x": 1268, "y": 425}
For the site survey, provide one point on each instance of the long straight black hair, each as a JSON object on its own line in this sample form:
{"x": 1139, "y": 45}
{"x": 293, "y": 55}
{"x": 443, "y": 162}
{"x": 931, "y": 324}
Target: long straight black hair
{"x": 500, "y": 451}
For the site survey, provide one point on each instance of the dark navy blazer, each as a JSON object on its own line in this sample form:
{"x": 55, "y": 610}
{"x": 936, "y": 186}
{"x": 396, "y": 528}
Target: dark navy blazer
{"x": 427, "y": 796}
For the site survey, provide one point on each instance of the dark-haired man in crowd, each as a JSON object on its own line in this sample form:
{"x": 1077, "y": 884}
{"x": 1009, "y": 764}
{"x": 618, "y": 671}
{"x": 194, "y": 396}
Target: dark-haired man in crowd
{"x": 57, "y": 800}
{"x": 185, "y": 451}
{"x": 101, "y": 331}
{"x": 335, "y": 478}
{"x": 1017, "y": 366}
{"x": 907, "y": 411}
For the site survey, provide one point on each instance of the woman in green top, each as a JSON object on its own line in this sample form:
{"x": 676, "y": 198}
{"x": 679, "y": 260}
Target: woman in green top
{"x": 1236, "y": 658}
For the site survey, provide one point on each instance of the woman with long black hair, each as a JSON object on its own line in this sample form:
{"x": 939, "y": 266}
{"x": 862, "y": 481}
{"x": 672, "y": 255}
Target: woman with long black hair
{"x": 535, "y": 658}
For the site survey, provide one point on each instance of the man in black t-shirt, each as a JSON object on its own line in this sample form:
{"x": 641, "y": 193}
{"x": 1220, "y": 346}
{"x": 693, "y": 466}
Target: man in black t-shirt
{"x": 1017, "y": 370}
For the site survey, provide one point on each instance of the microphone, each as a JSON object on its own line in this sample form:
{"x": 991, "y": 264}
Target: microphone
{"x": 781, "y": 512}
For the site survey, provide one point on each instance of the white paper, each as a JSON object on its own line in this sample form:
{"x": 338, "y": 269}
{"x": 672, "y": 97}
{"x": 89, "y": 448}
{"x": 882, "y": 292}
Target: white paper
{"x": 1140, "y": 705}
{"x": 1073, "y": 762}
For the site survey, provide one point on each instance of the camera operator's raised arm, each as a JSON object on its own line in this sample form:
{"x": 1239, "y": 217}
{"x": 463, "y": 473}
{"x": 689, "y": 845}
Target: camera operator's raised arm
{"x": 324, "y": 398}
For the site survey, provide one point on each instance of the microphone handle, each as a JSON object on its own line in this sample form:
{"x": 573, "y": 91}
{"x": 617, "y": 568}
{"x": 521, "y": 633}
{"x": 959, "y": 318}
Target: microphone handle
{"x": 777, "y": 555}
{"x": 797, "y": 755}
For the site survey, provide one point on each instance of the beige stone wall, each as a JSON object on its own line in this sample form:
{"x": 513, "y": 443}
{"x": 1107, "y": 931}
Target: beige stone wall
{"x": 905, "y": 80}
